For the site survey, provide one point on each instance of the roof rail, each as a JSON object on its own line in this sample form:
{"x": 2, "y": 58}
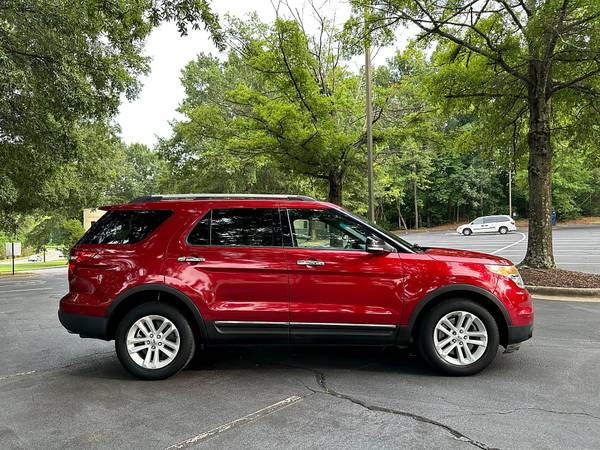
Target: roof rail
{"x": 160, "y": 197}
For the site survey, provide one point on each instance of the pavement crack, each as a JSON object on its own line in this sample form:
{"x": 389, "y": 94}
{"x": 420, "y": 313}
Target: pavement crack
{"x": 534, "y": 408}
{"x": 321, "y": 381}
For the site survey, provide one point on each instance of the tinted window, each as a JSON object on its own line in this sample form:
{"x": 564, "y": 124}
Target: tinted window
{"x": 200, "y": 235}
{"x": 326, "y": 229}
{"x": 490, "y": 219}
{"x": 124, "y": 227}
{"x": 239, "y": 227}
{"x": 478, "y": 221}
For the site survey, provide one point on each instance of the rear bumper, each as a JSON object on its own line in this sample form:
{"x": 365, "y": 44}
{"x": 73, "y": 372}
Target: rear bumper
{"x": 519, "y": 334}
{"x": 85, "y": 326}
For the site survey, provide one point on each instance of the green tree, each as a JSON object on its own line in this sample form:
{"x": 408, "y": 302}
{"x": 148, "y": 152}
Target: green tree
{"x": 63, "y": 65}
{"x": 282, "y": 98}
{"x": 532, "y": 59}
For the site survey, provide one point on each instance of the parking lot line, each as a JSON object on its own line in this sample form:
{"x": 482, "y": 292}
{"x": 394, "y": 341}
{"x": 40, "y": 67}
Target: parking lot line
{"x": 523, "y": 237}
{"x": 236, "y": 423}
{"x": 25, "y": 290}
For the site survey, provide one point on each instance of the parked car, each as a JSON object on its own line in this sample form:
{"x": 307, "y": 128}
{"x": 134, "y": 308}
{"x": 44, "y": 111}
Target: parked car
{"x": 34, "y": 258}
{"x": 164, "y": 275}
{"x": 488, "y": 224}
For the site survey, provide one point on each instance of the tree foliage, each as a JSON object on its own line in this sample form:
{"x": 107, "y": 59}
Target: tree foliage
{"x": 63, "y": 65}
{"x": 529, "y": 63}
{"x": 281, "y": 96}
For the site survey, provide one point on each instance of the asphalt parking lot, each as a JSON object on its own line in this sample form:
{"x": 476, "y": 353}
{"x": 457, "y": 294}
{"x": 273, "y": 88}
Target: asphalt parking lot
{"x": 576, "y": 247}
{"x": 60, "y": 391}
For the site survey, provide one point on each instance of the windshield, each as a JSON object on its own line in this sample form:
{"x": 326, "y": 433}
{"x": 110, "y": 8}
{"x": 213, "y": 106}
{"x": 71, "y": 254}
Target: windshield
{"x": 386, "y": 233}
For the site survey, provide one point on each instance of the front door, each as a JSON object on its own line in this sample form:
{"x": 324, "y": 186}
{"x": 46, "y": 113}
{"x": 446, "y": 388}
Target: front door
{"x": 234, "y": 264}
{"x": 478, "y": 226}
{"x": 339, "y": 292}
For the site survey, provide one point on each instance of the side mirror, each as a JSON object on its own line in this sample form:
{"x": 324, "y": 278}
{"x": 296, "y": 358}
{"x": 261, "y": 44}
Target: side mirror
{"x": 376, "y": 245}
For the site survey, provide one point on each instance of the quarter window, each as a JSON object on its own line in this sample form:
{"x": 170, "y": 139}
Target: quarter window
{"x": 124, "y": 226}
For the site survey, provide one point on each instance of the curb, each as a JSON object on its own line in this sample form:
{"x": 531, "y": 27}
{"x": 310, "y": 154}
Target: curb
{"x": 564, "y": 294}
{"x": 554, "y": 291}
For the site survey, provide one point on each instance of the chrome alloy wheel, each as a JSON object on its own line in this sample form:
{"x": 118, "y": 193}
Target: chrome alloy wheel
{"x": 460, "y": 338}
{"x": 153, "y": 342}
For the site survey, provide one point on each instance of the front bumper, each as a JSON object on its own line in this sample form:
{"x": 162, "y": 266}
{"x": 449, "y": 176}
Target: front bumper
{"x": 85, "y": 326}
{"x": 519, "y": 334}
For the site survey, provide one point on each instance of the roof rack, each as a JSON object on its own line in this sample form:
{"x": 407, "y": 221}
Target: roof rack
{"x": 160, "y": 197}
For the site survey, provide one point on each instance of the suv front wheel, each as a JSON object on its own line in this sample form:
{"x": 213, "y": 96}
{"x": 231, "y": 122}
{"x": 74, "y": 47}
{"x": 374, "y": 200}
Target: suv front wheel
{"x": 154, "y": 341}
{"x": 458, "y": 337}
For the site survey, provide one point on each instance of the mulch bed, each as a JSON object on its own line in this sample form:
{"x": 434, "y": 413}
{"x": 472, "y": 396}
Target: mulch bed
{"x": 559, "y": 278}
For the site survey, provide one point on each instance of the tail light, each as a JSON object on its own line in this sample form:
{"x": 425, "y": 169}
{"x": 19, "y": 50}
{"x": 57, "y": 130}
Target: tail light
{"x": 512, "y": 222}
{"x": 79, "y": 256}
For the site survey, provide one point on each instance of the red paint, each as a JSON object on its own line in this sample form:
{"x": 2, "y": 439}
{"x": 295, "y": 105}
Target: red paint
{"x": 266, "y": 284}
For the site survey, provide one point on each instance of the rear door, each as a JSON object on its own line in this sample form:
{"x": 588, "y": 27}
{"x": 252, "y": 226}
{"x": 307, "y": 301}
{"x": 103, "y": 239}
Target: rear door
{"x": 490, "y": 224}
{"x": 233, "y": 265}
{"x": 339, "y": 292}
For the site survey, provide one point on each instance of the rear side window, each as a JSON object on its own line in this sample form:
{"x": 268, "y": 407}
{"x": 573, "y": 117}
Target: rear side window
{"x": 124, "y": 227}
{"x": 238, "y": 227}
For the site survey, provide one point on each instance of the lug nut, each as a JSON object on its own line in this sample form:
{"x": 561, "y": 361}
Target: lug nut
{"x": 160, "y": 343}
{"x": 454, "y": 333}
{"x": 148, "y": 342}
{"x": 153, "y": 347}
{"x": 158, "y": 336}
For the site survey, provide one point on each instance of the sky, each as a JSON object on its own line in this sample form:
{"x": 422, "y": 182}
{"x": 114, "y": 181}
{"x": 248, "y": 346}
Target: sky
{"x": 148, "y": 117}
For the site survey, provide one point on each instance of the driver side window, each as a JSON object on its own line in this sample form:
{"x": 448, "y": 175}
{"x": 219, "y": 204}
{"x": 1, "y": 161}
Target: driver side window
{"x": 325, "y": 229}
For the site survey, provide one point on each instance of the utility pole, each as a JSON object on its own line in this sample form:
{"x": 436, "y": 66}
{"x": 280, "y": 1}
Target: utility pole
{"x": 369, "y": 114}
{"x": 510, "y": 192}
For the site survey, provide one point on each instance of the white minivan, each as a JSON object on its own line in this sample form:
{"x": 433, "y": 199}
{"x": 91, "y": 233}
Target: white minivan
{"x": 488, "y": 224}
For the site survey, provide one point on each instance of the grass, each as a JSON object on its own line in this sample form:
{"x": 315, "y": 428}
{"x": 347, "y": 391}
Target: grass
{"x": 21, "y": 267}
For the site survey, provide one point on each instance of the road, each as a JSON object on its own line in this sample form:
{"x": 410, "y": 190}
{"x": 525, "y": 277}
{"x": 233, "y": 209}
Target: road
{"x": 576, "y": 247}
{"x": 60, "y": 391}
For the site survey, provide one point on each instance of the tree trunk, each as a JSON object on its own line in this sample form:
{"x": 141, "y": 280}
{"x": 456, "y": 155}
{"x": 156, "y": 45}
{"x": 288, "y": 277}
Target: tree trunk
{"x": 539, "y": 243}
{"x": 335, "y": 189}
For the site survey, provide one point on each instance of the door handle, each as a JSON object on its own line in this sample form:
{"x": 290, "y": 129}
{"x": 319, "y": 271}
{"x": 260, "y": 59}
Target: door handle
{"x": 191, "y": 259}
{"x": 309, "y": 262}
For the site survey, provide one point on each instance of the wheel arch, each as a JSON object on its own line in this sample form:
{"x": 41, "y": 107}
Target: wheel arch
{"x": 155, "y": 292}
{"x": 479, "y": 295}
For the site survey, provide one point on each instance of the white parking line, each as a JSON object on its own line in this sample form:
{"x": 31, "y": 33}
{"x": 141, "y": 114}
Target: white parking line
{"x": 20, "y": 374}
{"x": 523, "y": 237}
{"x": 236, "y": 423}
{"x": 25, "y": 290}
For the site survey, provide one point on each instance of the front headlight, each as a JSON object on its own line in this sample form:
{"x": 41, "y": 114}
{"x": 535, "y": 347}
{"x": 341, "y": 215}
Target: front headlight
{"x": 507, "y": 271}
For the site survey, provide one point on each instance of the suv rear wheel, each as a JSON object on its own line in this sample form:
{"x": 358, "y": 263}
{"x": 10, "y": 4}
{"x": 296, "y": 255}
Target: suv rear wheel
{"x": 458, "y": 337}
{"x": 154, "y": 341}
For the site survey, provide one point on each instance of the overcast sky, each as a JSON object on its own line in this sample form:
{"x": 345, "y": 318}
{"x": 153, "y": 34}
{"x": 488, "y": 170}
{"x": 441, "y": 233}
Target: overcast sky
{"x": 149, "y": 115}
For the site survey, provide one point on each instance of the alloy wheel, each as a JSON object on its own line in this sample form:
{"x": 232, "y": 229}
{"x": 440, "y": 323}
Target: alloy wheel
{"x": 460, "y": 338}
{"x": 153, "y": 342}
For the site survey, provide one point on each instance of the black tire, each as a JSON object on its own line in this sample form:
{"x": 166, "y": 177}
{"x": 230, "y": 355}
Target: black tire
{"x": 186, "y": 345}
{"x": 467, "y": 232}
{"x": 502, "y": 230}
{"x": 425, "y": 337}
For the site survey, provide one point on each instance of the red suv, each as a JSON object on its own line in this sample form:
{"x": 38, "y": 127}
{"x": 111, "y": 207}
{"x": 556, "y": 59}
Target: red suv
{"x": 164, "y": 275}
